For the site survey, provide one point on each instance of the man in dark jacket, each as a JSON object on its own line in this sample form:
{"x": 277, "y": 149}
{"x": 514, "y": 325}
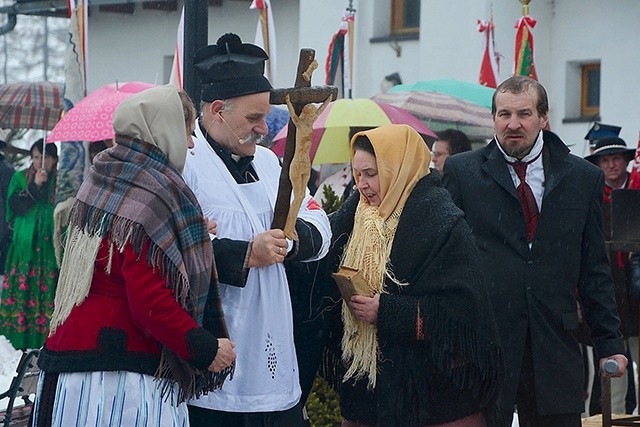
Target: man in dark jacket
{"x": 539, "y": 231}
{"x": 612, "y": 156}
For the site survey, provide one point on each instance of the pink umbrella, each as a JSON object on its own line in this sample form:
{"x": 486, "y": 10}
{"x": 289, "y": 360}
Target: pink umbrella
{"x": 330, "y": 138}
{"x": 92, "y": 118}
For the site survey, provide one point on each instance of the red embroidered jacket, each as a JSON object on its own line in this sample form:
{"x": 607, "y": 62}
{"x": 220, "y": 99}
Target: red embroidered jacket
{"x": 124, "y": 322}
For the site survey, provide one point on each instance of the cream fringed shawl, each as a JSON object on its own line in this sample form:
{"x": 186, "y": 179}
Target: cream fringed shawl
{"x": 402, "y": 159}
{"x": 368, "y": 251}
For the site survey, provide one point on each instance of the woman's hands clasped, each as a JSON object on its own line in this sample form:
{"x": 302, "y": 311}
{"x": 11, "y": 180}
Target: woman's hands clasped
{"x": 365, "y": 308}
{"x": 212, "y": 226}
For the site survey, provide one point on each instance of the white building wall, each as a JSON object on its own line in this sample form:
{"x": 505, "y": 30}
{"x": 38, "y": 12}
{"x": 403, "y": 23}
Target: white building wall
{"x": 568, "y": 32}
{"x": 451, "y": 43}
{"x": 127, "y": 47}
{"x": 586, "y": 30}
{"x": 134, "y": 46}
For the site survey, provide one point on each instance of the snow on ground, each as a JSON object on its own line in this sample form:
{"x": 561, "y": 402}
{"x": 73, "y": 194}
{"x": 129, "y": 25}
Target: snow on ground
{"x": 9, "y": 358}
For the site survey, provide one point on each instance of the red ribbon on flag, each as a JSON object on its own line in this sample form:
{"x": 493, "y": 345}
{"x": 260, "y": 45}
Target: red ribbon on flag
{"x": 527, "y": 20}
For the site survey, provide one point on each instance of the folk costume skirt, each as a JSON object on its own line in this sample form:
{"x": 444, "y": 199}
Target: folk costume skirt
{"x": 104, "y": 399}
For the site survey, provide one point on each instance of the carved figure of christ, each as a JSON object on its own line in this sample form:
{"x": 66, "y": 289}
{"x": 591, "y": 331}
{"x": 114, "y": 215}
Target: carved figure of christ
{"x": 300, "y": 168}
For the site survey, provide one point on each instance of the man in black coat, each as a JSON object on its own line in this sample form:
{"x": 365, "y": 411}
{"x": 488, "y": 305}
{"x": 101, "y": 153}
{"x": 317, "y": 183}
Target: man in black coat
{"x": 542, "y": 245}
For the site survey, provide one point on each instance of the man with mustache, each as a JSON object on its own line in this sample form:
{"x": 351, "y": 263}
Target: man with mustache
{"x": 534, "y": 210}
{"x": 236, "y": 183}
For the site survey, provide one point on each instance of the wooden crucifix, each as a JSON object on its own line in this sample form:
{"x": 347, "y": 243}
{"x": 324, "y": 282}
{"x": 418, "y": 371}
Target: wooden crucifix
{"x": 297, "y": 99}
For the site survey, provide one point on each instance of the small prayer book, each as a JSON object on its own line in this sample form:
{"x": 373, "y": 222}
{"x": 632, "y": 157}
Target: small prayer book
{"x": 350, "y": 282}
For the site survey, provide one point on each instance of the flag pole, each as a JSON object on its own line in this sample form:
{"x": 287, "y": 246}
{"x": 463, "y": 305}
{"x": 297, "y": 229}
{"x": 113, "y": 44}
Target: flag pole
{"x": 264, "y": 22}
{"x": 266, "y": 35}
{"x": 525, "y": 7}
{"x": 493, "y": 40}
{"x": 196, "y": 19}
{"x": 350, "y": 29}
{"x": 177, "y": 67}
{"x": 44, "y": 145}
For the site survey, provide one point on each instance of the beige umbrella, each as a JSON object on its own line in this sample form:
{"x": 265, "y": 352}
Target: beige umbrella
{"x": 440, "y": 111}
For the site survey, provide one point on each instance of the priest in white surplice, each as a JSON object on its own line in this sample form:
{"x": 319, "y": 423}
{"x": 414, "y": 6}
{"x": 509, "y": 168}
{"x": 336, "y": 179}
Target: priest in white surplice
{"x": 236, "y": 183}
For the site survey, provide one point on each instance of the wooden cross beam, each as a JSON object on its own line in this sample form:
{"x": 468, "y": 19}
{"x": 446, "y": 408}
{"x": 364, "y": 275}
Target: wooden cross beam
{"x": 300, "y": 95}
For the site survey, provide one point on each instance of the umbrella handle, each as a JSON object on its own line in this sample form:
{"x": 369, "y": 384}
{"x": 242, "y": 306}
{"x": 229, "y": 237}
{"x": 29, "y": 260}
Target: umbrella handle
{"x": 44, "y": 146}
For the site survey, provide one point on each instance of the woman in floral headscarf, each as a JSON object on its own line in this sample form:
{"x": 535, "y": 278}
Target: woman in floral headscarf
{"x": 419, "y": 343}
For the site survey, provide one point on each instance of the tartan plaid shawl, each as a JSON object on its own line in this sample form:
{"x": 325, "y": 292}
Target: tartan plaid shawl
{"x": 134, "y": 194}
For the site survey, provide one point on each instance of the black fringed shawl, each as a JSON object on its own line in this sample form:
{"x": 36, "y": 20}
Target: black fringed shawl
{"x": 457, "y": 369}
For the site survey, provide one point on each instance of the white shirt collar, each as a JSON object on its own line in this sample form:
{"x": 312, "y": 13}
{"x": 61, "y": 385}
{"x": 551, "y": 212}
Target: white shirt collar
{"x": 624, "y": 184}
{"x": 535, "y": 151}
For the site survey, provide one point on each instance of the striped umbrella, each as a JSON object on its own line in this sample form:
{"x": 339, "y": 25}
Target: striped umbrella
{"x": 440, "y": 111}
{"x": 331, "y": 131}
{"x": 472, "y": 92}
{"x": 35, "y": 105}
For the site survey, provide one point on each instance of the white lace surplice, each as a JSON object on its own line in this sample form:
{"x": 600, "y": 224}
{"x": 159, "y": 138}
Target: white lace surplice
{"x": 259, "y": 316}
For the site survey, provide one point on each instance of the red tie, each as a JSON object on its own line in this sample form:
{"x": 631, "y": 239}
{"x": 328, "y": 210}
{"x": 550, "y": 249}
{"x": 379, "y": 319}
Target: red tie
{"x": 527, "y": 200}
{"x": 606, "y": 195}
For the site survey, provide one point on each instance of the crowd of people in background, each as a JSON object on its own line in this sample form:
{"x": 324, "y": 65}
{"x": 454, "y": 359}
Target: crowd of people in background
{"x": 453, "y": 286}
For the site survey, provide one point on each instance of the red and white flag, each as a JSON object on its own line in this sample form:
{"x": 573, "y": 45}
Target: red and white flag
{"x": 489, "y": 68}
{"x": 338, "y": 64}
{"x": 634, "y": 178}
{"x": 266, "y": 35}
{"x": 177, "y": 77}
